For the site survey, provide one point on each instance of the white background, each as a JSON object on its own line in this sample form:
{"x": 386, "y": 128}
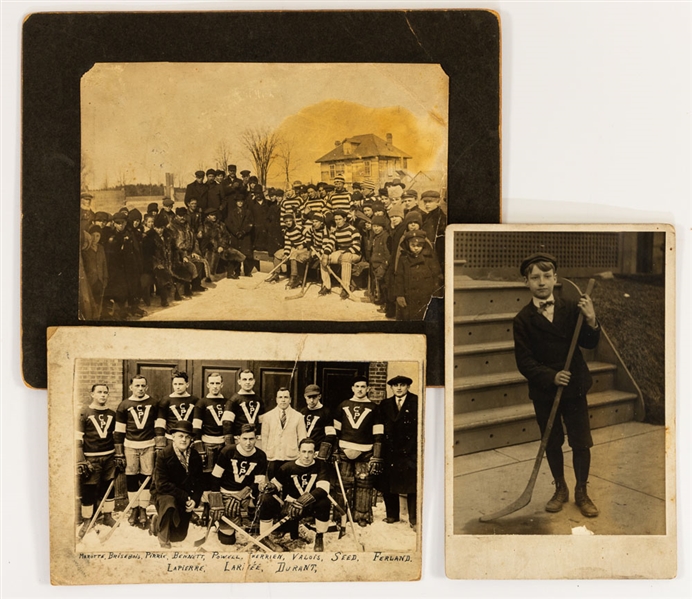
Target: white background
{"x": 596, "y": 128}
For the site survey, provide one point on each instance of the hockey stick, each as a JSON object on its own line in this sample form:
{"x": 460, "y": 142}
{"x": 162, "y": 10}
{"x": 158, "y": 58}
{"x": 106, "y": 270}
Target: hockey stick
{"x": 203, "y": 540}
{"x": 273, "y": 528}
{"x": 127, "y": 509}
{"x": 337, "y": 507}
{"x": 348, "y": 508}
{"x": 304, "y": 288}
{"x": 98, "y": 511}
{"x": 525, "y": 497}
{"x": 248, "y": 536}
{"x": 347, "y": 290}
{"x": 271, "y": 272}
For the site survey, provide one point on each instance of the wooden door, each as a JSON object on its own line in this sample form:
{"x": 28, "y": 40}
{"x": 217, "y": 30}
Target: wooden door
{"x": 228, "y": 369}
{"x": 157, "y": 372}
{"x": 336, "y": 379}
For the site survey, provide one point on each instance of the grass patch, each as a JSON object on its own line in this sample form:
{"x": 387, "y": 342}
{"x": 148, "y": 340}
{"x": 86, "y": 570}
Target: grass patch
{"x": 631, "y": 310}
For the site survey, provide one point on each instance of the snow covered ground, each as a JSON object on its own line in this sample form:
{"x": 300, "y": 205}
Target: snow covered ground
{"x": 248, "y": 298}
{"x": 379, "y": 536}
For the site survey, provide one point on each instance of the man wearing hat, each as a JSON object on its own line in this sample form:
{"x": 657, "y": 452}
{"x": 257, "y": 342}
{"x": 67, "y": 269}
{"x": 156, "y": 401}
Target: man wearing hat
{"x": 380, "y": 253}
{"x": 344, "y": 248}
{"x": 167, "y": 209}
{"x": 157, "y": 257}
{"x": 178, "y": 486}
{"x": 188, "y": 254}
{"x": 400, "y": 449}
{"x": 228, "y": 181}
{"x": 153, "y": 209}
{"x": 543, "y": 331}
{"x": 340, "y": 198}
{"x": 245, "y": 174}
{"x": 197, "y": 190}
{"x": 434, "y": 223}
{"x": 409, "y": 200}
{"x": 215, "y": 196}
{"x": 124, "y": 269}
{"x": 86, "y": 214}
{"x": 240, "y": 224}
{"x": 314, "y": 203}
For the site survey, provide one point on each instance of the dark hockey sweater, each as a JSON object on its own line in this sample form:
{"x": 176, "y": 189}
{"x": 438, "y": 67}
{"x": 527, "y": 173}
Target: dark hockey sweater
{"x": 234, "y": 471}
{"x": 95, "y": 429}
{"x": 208, "y": 419}
{"x": 358, "y": 424}
{"x": 294, "y": 479}
{"x": 172, "y": 409}
{"x": 242, "y": 408}
{"x": 134, "y": 422}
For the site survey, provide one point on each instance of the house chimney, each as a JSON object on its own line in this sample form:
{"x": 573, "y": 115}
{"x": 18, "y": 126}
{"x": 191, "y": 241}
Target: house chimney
{"x": 337, "y": 143}
{"x": 389, "y": 138}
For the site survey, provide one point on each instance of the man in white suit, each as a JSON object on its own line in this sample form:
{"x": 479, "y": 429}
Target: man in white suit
{"x": 282, "y": 430}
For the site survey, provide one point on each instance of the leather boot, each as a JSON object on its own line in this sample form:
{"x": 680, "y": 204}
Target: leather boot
{"x": 134, "y": 516}
{"x": 108, "y": 519}
{"x": 560, "y": 497}
{"x": 319, "y": 542}
{"x": 581, "y": 498}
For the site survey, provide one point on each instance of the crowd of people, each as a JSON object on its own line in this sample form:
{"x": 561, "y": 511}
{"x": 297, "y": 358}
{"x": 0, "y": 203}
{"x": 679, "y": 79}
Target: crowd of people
{"x": 387, "y": 241}
{"x": 241, "y": 471}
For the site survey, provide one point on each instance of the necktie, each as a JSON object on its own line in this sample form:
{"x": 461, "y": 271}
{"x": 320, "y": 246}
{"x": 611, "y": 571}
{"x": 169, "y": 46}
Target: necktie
{"x": 543, "y": 306}
{"x": 399, "y": 402}
{"x": 283, "y": 418}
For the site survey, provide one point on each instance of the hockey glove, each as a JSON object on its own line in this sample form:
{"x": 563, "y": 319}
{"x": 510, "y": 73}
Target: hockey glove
{"x": 325, "y": 451}
{"x": 232, "y": 507}
{"x": 376, "y": 463}
{"x": 297, "y": 507}
{"x": 84, "y": 469}
{"x": 199, "y": 448}
{"x": 216, "y": 506}
{"x": 270, "y": 489}
{"x": 120, "y": 462}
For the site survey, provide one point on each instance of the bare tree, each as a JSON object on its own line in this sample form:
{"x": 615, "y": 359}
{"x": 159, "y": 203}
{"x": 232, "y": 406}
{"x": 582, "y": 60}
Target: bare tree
{"x": 223, "y": 155}
{"x": 288, "y": 163}
{"x": 261, "y": 145}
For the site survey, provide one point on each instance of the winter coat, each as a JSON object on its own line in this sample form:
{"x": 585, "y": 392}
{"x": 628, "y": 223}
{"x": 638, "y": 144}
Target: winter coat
{"x": 199, "y": 192}
{"x": 416, "y": 279}
{"x": 275, "y": 236}
{"x": 400, "y": 446}
{"x": 239, "y": 224}
{"x": 157, "y": 251}
{"x": 380, "y": 253}
{"x": 95, "y": 267}
{"x": 261, "y": 214}
{"x": 124, "y": 266}
{"x": 215, "y": 197}
{"x": 434, "y": 225}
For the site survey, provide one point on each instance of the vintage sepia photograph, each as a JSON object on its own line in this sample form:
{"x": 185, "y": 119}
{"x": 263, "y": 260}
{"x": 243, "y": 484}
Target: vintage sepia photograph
{"x": 262, "y": 191}
{"x": 237, "y": 468}
{"x": 560, "y": 401}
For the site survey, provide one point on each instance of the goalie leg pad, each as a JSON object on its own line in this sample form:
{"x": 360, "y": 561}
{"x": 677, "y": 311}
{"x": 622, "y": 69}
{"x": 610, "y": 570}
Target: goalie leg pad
{"x": 363, "y": 502}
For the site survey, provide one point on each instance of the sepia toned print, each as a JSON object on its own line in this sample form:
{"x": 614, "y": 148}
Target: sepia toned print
{"x": 229, "y": 468}
{"x": 560, "y": 346}
{"x": 224, "y": 191}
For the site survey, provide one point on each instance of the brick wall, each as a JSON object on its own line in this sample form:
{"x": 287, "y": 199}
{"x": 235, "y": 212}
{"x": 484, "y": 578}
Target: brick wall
{"x": 377, "y": 377}
{"x": 90, "y": 371}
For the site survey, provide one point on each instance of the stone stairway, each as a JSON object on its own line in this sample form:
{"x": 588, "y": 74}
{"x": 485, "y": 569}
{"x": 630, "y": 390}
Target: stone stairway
{"x": 492, "y": 408}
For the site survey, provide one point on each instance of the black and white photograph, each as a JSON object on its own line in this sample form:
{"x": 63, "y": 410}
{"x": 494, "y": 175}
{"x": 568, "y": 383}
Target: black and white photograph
{"x": 233, "y": 462}
{"x": 262, "y": 191}
{"x": 560, "y": 401}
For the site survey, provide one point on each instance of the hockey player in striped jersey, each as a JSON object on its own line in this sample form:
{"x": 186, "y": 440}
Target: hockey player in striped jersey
{"x": 292, "y": 204}
{"x": 294, "y": 250}
{"x": 304, "y": 487}
{"x": 237, "y": 479}
{"x": 340, "y": 198}
{"x": 244, "y": 407}
{"x": 358, "y": 453}
{"x": 135, "y": 440}
{"x": 208, "y": 426}
{"x": 179, "y": 405}
{"x": 95, "y": 456}
{"x": 342, "y": 248}
{"x": 314, "y": 203}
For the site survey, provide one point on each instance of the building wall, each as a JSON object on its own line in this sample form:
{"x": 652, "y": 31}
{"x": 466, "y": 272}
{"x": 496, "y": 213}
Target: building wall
{"x": 91, "y": 371}
{"x": 377, "y": 377}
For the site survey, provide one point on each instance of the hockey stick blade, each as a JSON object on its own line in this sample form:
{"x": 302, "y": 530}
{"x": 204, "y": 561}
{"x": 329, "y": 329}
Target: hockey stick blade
{"x": 525, "y": 497}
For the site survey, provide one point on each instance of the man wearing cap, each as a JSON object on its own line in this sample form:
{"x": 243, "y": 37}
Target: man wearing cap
{"x": 197, "y": 190}
{"x": 157, "y": 257}
{"x": 240, "y": 224}
{"x": 215, "y": 244}
{"x": 215, "y": 195}
{"x": 167, "y": 210}
{"x": 124, "y": 269}
{"x": 178, "y": 487}
{"x": 314, "y": 203}
{"x": 262, "y": 213}
{"x": 294, "y": 250}
{"x": 400, "y": 449}
{"x": 228, "y": 181}
{"x": 543, "y": 331}
{"x": 245, "y": 174}
{"x": 96, "y": 268}
{"x": 340, "y": 198}
{"x": 380, "y": 253}
{"x": 86, "y": 214}
{"x": 409, "y": 201}
{"x": 344, "y": 248}
{"x": 318, "y": 421}
{"x": 358, "y": 452}
{"x": 434, "y": 223}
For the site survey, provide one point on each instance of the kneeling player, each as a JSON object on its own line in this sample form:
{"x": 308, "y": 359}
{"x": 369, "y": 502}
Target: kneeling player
{"x": 238, "y": 475}
{"x": 304, "y": 488}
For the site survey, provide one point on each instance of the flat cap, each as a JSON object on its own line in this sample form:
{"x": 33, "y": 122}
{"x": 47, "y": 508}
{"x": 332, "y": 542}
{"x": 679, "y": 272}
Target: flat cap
{"x": 435, "y": 195}
{"x": 312, "y": 390}
{"x": 378, "y": 219}
{"x": 167, "y": 202}
{"x": 199, "y": 174}
{"x": 245, "y": 173}
{"x": 410, "y": 193}
{"x": 538, "y": 257}
{"x": 211, "y": 171}
{"x": 120, "y": 217}
{"x": 102, "y": 216}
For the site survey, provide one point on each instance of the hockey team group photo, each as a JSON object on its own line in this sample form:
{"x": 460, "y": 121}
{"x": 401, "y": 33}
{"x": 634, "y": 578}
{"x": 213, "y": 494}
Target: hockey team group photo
{"x": 325, "y": 186}
{"x": 233, "y": 456}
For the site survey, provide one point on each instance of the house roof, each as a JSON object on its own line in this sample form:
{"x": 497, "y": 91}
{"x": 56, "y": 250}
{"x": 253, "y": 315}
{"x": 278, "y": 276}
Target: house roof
{"x": 364, "y": 146}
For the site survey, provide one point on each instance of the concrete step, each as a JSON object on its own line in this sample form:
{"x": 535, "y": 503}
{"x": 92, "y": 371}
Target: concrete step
{"x": 484, "y": 327}
{"x": 488, "y": 297}
{"x": 484, "y": 358}
{"x": 500, "y": 427}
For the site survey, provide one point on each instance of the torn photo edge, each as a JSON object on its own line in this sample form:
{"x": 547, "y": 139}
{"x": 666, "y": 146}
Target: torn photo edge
{"x": 66, "y": 347}
{"x": 553, "y": 556}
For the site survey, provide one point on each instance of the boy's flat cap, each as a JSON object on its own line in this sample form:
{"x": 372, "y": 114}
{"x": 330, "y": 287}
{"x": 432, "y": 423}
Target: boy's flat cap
{"x": 539, "y": 257}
